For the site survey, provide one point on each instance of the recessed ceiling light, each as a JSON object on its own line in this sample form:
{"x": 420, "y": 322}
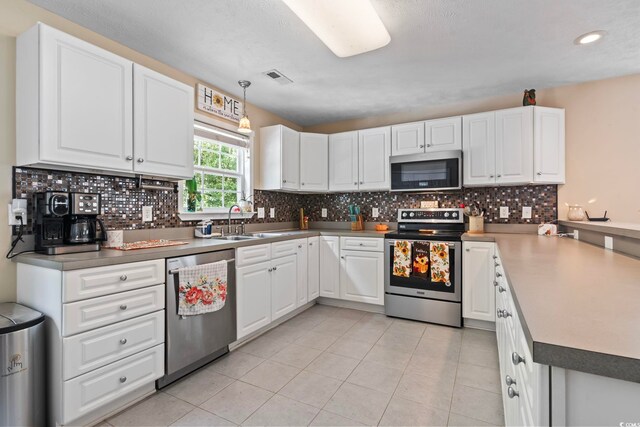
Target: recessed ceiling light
{"x": 347, "y": 27}
{"x": 590, "y": 37}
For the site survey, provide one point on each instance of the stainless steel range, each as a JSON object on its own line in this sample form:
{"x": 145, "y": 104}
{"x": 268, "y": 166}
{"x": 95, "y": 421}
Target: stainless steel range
{"x": 423, "y": 266}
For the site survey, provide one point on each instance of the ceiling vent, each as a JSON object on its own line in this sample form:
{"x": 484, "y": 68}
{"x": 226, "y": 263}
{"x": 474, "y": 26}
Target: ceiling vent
{"x": 278, "y": 77}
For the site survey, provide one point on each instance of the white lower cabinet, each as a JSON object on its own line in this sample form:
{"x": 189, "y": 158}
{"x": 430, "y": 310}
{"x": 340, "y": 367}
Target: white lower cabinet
{"x": 253, "y": 296}
{"x": 313, "y": 268}
{"x": 329, "y": 266}
{"x": 478, "y": 275}
{"x": 362, "y": 276}
{"x": 284, "y": 275}
{"x": 302, "y": 266}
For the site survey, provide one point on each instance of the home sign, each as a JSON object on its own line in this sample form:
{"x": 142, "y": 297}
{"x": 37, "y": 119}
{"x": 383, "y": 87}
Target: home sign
{"x": 218, "y": 103}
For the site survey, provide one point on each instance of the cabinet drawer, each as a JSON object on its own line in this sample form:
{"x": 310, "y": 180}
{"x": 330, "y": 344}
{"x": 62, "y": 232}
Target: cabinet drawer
{"x": 281, "y": 249}
{"x": 373, "y": 244}
{"x": 91, "y": 350}
{"x": 253, "y": 254}
{"x": 95, "y": 282}
{"x": 97, "y": 388}
{"x": 90, "y": 314}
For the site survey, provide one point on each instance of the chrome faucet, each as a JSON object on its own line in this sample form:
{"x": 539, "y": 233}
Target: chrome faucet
{"x": 229, "y": 224}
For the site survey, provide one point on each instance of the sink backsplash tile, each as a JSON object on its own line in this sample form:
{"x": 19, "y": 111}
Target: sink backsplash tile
{"x": 122, "y": 202}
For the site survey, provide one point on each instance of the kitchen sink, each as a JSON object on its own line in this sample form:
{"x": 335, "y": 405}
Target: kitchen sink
{"x": 236, "y": 238}
{"x": 274, "y": 234}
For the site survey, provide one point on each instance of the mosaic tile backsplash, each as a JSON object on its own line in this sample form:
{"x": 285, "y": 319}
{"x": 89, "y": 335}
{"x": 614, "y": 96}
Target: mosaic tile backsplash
{"x": 122, "y": 201}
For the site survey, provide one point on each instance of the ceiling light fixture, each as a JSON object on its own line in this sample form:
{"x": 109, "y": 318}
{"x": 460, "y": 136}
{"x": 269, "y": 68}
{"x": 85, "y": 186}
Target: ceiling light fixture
{"x": 347, "y": 27}
{"x": 244, "y": 126}
{"x": 590, "y": 37}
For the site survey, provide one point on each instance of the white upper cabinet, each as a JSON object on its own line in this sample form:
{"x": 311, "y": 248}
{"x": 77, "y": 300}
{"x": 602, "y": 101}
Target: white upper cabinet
{"x": 73, "y": 103}
{"x": 343, "y": 161}
{"x": 408, "y": 138}
{"x": 479, "y": 149}
{"x": 548, "y": 145}
{"x": 514, "y": 146}
{"x": 314, "y": 162}
{"x": 163, "y": 125}
{"x": 374, "y": 149}
{"x": 443, "y": 134}
{"x": 279, "y": 158}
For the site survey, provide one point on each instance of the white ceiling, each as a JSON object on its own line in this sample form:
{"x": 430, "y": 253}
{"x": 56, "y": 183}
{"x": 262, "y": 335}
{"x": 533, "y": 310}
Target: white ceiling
{"x": 441, "y": 51}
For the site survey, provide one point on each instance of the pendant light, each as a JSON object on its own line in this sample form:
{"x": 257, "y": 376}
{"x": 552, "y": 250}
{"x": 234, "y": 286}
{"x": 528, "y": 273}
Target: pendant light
{"x": 244, "y": 126}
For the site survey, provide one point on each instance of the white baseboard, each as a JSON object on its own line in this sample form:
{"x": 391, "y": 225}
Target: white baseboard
{"x": 479, "y": 324}
{"x": 351, "y": 304}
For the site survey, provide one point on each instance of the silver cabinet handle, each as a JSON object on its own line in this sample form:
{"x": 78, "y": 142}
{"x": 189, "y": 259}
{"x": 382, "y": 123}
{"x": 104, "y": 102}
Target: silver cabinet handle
{"x": 499, "y": 176}
{"x": 342, "y": 257}
{"x": 422, "y": 146}
{"x": 361, "y": 244}
{"x": 490, "y": 176}
{"x": 355, "y": 183}
{"x": 495, "y": 256}
{"x": 311, "y": 244}
{"x": 299, "y": 246}
{"x": 302, "y": 183}
{"x": 284, "y": 181}
{"x": 517, "y": 359}
{"x": 498, "y": 274}
{"x": 270, "y": 270}
{"x": 496, "y": 265}
{"x": 361, "y": 182}
{"x": 275, "y": 268}
{"x": 512, "y": 393}
{"x": 123, "y": 379}
{"x": 123, "y": 341}
{"x": 495, "y": 283}
{"x": 123, "y": 277}
{"x": 509, "y": 381}
{"x": 501, "y": 289}
{"x": 468, "y": 250}
{"x": 129, "y": 158}
{"x": 123, "y": 307}
{"x": 539, "y": 173}
{"x": 428, "y": 145}
{"x": 499, "y": 313}
{"x": 506, "y": 314}
{"x": 140, "y": 160}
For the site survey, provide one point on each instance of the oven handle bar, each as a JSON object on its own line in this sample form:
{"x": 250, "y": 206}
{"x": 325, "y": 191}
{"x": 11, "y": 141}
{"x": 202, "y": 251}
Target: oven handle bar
{"x": 177, "y": 270}
{"x": 391, "y": 242}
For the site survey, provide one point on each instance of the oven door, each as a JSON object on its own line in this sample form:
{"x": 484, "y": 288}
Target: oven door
{"x": 423, "y": 287}
{"x": 427, "y": 172}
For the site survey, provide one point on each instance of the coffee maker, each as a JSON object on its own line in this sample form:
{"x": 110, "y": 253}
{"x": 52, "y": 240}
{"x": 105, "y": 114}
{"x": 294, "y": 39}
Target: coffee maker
{"x": 67, "y": 222}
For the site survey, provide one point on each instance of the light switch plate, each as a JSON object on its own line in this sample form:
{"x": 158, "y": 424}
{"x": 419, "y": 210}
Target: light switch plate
{"x": 608, "y": 242}
{"x": 272, "y": 212}
{"x": 504, "y": 212}
{"x": 375, "y": 213}
{"x": 526, "y": 212}
{"x": 147, "y": 213}
{"x": 324, "y": 212}
{"x": 260, "y": 212}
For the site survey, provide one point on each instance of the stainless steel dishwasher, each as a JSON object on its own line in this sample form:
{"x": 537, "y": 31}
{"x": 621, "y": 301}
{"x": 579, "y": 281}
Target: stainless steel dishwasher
{"x": 193, "y": 341}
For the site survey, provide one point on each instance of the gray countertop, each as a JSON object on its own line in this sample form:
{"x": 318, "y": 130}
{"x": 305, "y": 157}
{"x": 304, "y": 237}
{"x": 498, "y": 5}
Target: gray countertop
{"x": 578, "y": 303}
{"x": 193, "y": 246}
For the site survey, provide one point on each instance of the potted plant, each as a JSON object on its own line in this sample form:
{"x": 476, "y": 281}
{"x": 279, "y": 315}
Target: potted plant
{"x": 193, "y": 195}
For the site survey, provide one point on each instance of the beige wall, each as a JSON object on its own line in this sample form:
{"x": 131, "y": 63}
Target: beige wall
{"x": 602, "y": 140}
{"x": 17, "y": 16}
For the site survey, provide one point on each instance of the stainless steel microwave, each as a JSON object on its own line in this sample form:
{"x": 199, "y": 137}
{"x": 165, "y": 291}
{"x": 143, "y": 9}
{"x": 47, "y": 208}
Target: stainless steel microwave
{"x": 427, "y": 172}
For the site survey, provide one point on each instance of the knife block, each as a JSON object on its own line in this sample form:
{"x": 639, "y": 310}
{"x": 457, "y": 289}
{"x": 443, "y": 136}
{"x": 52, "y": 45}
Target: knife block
{"x": 358, "y": 224}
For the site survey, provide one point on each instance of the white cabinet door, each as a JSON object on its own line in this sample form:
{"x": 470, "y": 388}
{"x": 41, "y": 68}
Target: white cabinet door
{"x": 478, "y": 274}
{"x": 443, "y": 134}
{"x": 85, "y": 104}
{"x": 329, "y": 266}
{"x": 343, "y": 161}
{"x": 253, "y": 297}
{"x": 302, "y": 269}
{"x": 407, "y": 138}
{"x": 478, "y": 147}
{"x": 548, "y": 145}
{"x": 284, "y": 276}
{"x": 314, "y": 162}
{"x": 374, "y": 149}
{"x": 163, "y": 125}
{"x": 362, "y": 276}
{"x": 313, "y": 268}
{"x": 290, "y": 159}
{"x": 514, "y": 146}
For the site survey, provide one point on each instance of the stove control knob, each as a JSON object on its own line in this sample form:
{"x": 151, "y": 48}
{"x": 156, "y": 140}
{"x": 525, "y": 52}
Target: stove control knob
{"x": 446, "y": 214}
{"x": 412, "y": 214}
{"x": 404, "y": 214}
{"x": 454, "y": 214}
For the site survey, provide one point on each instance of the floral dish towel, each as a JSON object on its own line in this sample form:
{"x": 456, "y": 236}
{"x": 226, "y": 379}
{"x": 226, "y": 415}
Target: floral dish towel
{"x": 440, "y": 263}
{"x": 402, "y": 258}
{"x": 202, "y": 288}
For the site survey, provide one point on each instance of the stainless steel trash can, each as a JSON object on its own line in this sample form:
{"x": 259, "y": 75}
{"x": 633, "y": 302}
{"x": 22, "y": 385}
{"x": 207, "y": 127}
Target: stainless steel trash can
{"x": 22, "y": 356}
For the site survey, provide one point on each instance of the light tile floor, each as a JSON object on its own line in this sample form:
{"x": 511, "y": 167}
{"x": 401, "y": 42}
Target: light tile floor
{"x": 332, "y": 366}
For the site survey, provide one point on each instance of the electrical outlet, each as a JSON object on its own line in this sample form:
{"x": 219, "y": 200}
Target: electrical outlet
{"x": 17, "y": 208}
{"x": 147, "y": 213}
{"x": 272, "y": 212}
{"x": 375, "y": 213}
{"x": 608, "y": 242}
{"x": 576, "y": 234}
{"x": 260, "y": 212}
{"x": 324, "y": 212}
{"x": 504, "y": 212}
{"x": 526, "y": 212}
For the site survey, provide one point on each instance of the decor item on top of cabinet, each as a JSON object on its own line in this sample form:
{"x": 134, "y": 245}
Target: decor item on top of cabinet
{"x": 219, "y": 104}
{"x": 244, "y": 126}
{"x": 476, "y": 218}
{"x": 529, "y": 97}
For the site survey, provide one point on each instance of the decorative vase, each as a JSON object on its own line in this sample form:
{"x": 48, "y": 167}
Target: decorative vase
{"x": 245, "y": 205}
{"x": 192, "y": 202}
{"x": 576, "y": 213}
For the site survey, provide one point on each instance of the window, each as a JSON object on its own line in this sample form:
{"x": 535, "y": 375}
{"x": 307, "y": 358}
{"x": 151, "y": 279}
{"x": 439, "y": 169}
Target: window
{"x": 221, "y": 160}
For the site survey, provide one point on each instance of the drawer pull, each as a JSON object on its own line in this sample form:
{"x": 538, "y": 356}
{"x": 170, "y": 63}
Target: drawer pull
{"x": 509, "y": 381}
{"x": 123, "y": 277}
{"x": 498, "y": 274}
{"x": 512, "y": 393}
{"x": 517, "y": 359}
{"x": 361, "y": 244}
{"x": 123, "y": 341}
{"x": 275, "y": 268}
{"x": 299, "y": 246}
{"x": 506, "y": 314}
{"x": 499, "y": 313}
{"x": 495, "y": 256}
{"x": 311, "y": 244}
{"x": 501, "y": 289}
{"x": 123, "y": 307}
{"x": 495, "y": 283}
{"x": 496, "y": 265}
{"x": 123, "y": 379}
